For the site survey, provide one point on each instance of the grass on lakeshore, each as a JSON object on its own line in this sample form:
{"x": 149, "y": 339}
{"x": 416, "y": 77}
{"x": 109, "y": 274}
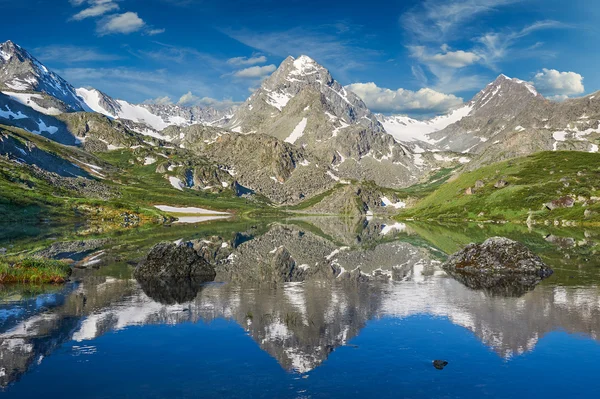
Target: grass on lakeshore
{"x": 33, "y": 271}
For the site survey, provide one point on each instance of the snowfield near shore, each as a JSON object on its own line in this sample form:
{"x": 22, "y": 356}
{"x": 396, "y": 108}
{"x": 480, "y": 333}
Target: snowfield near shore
{"x": 188, "y": 210}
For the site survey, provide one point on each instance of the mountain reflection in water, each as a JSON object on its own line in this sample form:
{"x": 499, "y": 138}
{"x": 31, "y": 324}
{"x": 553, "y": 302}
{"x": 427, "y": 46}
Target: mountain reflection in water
{"x": 299, "y": 324}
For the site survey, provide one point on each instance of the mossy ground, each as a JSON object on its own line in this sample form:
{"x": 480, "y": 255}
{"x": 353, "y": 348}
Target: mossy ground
{"x": 24, "y": 197}
{"x": 532, "y": 182}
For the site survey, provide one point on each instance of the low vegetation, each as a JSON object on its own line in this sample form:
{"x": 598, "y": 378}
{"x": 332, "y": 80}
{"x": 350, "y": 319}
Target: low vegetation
{"x": 548, "y": 187}
{"x": 33, "y": 271}
{"x": 25, "y": 196}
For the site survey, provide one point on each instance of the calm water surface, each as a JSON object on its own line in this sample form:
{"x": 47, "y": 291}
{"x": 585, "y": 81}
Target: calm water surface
{"x": 104, "y": 335}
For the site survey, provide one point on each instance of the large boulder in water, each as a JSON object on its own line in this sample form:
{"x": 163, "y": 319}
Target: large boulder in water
{"x": 167, "y": 260}
{"x": 499, "y": 265}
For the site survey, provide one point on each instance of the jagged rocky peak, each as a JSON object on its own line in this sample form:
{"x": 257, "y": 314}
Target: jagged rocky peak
{"x": 505, "y": 91}
{"x": 298, "y": 76}
{"x": 20, "y": 71}
{"x": 192, "y": 115}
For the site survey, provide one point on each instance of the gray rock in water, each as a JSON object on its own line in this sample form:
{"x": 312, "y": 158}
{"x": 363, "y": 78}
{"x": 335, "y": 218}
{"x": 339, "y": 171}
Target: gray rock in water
{"x": 497, "y": 255}
{"x": 499, "y": 265}
{"x": 174, "y": 261}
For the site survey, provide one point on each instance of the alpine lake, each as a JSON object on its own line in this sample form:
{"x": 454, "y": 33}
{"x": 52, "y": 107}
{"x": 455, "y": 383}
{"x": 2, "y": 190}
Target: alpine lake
{"x": 251, "y": 334}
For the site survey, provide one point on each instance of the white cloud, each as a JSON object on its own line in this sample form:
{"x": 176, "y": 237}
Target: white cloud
{"x": 190, "y": 99}
{"x": 112, "y": 74}
{"x": 97, "y": 9}
{"x": 331, "y": 49}
{"x": 72, "y": 54}
{"x": 131, "y": 84}
{"x": 558, "y": 85}
{"x": 496, "y": 46}
{"x": 422, "y": 101}
{"x": 242, "y": 61}
{"x": 166, "y": 100}
{"x": 451, "y": 59}
{"x": 255, "y": 72}
{"x": 154, "y": 32}
{"x": 125, "y": 23}
{"x": 439, "y": 20}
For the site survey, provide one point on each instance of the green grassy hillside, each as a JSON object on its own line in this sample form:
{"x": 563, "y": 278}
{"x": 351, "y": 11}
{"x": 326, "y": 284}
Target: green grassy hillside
{"x": 135, "y": 188}
{"x": 532, "y": 182}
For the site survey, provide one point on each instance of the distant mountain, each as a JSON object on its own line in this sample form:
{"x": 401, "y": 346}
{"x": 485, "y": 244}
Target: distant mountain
{"x": 302, "y": 104}
{"x": 293, "y": 82}
{"x": 301, "y": 132}
{"x": 21, "y": 72}
{"x": 493, "y": 110}
{"x": 156, "y": 117}
{"x": 507, "y": 119}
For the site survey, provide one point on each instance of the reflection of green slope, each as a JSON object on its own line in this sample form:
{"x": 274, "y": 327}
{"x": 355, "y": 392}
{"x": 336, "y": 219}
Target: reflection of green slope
{"x": 451, "y": 238}
{"x": 311, "y": 228}
{"x": 127, "y": 242}
{"x": 314, "y": 200}
{"x": 576, "y": 264}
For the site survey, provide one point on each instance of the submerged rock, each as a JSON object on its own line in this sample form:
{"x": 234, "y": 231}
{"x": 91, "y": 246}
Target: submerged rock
{"x": 440, "y": 364}
{"x": 500, "y": 266}
{"x": 174, "y": 261}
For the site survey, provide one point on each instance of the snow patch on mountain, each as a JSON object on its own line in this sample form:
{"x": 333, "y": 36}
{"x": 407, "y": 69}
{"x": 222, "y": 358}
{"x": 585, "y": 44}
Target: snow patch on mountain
{"x": 176, "y": 183}
{"x": 387, "y": 202}
{"x": 42, "y": 127}
{"x": 7, "y": 113}
{"x": 297, "y": 132}
{"x": 404, "y": 128}
{"x": 27, "y": 99}
{"x": 20, "y": 71}
{"x": 278, "y": 100}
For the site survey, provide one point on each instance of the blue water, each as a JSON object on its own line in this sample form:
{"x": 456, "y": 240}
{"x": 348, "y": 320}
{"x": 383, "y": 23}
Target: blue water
{"x": 390, "y": 358}
{"x": 107, "y": 336}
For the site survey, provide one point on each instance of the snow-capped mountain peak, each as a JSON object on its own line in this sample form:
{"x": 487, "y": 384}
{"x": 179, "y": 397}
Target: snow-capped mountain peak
{"x": 20, "y": 71}
{"x": 300, "y": 75}
{"x": 505, "y": 90}
{"x": 304, "y": 65}
{"x": 156, "y": 117}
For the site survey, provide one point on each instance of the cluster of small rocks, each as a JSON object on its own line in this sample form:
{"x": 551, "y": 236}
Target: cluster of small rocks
{"x": 84, "y": 187}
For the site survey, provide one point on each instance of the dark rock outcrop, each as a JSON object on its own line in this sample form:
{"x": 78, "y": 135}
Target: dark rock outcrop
{"x": 167, "y": 260}
{"x": 500, "y": 266}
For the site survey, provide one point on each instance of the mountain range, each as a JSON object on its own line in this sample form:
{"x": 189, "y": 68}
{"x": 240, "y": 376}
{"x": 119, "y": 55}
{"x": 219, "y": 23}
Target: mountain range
{"x": 298, "y": 135}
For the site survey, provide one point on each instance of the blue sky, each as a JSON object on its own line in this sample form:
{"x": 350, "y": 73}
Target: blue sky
{"x": 415, "y": 57}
